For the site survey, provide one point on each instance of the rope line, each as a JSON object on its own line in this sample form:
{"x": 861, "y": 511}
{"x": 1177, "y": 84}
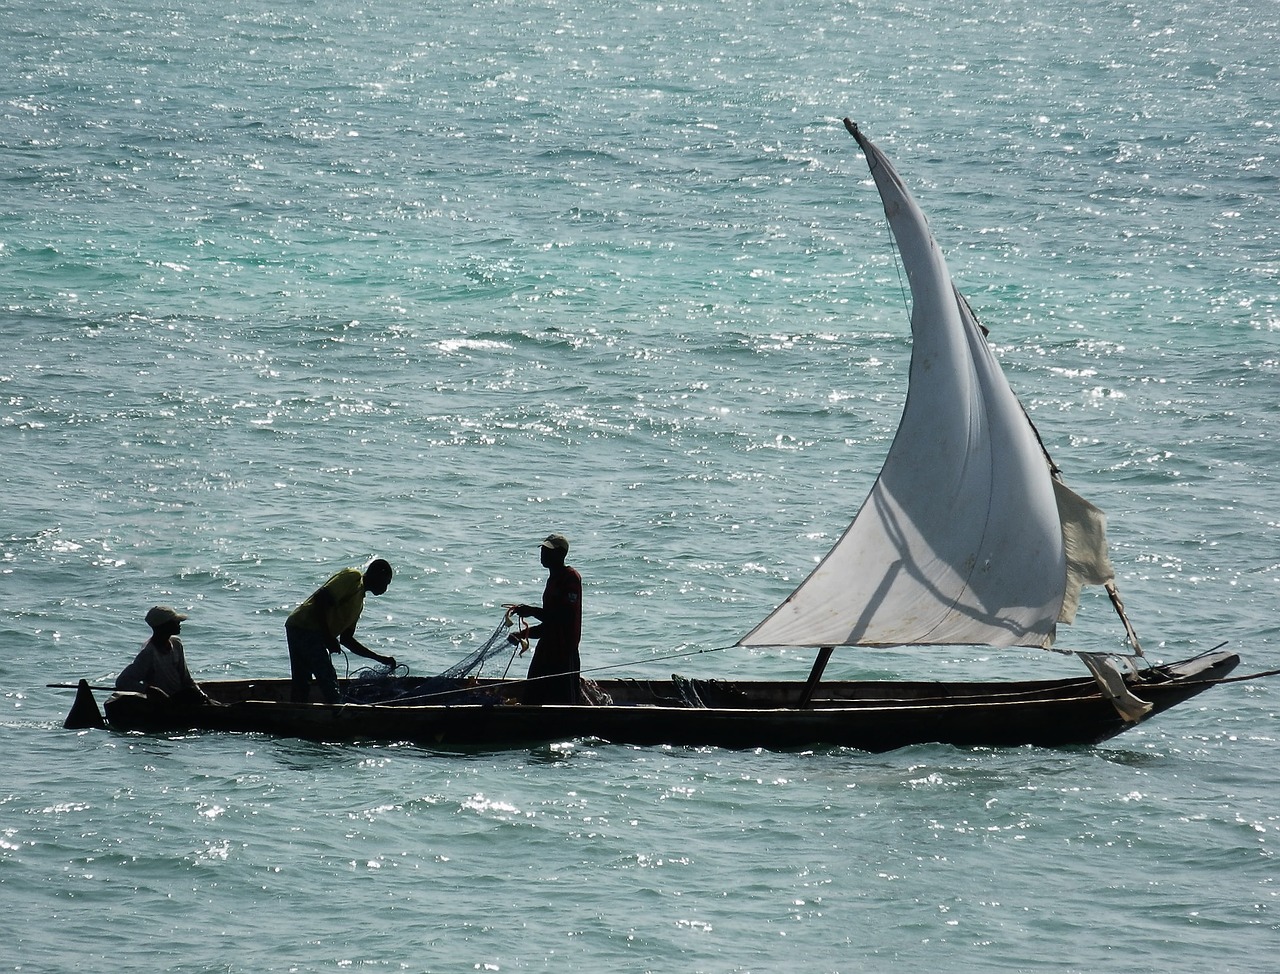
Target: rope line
{"x": 457, "y": 691}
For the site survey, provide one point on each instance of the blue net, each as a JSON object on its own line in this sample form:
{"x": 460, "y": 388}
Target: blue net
{"x": 392, "y": 685}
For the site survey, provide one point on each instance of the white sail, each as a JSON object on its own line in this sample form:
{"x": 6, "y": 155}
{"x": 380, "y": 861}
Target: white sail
{"x": 1084, "y": 533}
{"x": 959, "y": 541}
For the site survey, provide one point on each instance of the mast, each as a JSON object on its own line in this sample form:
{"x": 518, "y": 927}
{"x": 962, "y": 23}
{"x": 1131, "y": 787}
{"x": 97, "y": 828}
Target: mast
{"x": 815, "y": 675}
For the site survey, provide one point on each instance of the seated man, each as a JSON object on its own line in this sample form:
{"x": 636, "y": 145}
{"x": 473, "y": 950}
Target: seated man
{"x": 160, "y": 670}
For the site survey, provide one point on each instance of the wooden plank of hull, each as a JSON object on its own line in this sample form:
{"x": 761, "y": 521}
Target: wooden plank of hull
{"x": 1046, "y": 714}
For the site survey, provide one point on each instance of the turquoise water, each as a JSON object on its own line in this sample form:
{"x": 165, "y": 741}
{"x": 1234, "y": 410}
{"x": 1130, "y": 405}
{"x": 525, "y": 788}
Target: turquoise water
{"x": 282, "y": 288}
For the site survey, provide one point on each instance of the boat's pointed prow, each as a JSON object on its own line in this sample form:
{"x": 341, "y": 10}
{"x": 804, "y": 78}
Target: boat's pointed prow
{"x": 84, "y": 712}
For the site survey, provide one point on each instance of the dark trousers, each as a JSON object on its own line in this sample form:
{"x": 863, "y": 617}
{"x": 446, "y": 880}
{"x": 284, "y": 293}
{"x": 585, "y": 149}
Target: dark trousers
{"x": 309, "y": 657}
{"x": 553, "y": 675}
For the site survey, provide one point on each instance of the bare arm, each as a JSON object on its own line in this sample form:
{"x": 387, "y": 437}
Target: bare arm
{"x": 348, "y": 639}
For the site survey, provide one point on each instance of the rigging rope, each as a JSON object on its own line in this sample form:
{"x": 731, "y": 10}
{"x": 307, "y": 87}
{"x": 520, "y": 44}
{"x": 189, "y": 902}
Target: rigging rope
{"x": 445, "y": 685}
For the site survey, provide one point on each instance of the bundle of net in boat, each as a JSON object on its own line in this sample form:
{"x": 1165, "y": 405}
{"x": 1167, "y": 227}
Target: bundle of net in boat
{"x": 384, "y": 686}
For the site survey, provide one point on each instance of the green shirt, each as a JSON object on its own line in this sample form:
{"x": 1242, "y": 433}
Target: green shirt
{"x": 345, "y": 592}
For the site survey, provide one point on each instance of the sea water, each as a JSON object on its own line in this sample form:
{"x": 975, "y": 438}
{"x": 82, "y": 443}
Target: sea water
{"x": 287, "y": 286}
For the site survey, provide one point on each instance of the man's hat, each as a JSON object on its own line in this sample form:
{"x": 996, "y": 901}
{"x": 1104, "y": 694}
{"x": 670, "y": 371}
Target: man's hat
{"x": 556, "y": 541}
{"x": 159, "y": 615}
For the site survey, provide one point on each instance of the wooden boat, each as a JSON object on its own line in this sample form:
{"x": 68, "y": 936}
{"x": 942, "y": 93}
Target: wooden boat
{"x": 968, "y": 537}
{"x": 870, "y": 715}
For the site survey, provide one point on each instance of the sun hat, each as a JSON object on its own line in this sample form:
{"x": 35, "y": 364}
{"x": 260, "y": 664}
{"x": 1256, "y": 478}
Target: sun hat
{"x": 159, "y": 615}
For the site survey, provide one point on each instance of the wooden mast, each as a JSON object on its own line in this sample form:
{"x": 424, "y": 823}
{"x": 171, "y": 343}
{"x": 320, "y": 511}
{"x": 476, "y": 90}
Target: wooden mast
{"x": 815, "y": 675}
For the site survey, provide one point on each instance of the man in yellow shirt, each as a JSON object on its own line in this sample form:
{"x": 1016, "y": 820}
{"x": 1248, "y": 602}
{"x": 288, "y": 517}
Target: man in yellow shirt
{"x": 326, "y": 622}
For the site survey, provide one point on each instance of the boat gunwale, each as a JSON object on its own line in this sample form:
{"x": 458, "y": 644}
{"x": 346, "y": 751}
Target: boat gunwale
{"x": 1029, "y": 693}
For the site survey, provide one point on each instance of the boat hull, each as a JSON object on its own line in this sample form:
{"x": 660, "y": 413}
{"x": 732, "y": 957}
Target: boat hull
{"x": 871, "y": 716}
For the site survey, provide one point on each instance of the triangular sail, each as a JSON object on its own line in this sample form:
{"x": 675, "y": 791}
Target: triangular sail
{"x": 959, "y": 541}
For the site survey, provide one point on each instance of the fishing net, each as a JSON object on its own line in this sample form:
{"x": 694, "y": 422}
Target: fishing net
{"x": 470, "y": 665}
{"x": 390, "y": 685}
{"x": 375, "y": 684}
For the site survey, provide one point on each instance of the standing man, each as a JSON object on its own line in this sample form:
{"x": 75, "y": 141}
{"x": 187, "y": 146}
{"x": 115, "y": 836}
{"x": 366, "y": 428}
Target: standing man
{"x": 326, "y": 622}
{"x": 160, "y": 670}
{"x": 553, "y": 674}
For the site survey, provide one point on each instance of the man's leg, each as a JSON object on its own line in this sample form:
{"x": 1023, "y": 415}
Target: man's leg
{"x": 309, "y": 657}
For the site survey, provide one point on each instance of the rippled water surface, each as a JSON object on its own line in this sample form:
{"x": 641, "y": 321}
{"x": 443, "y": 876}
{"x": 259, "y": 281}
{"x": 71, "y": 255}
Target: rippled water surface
{"x": 282, "y": 288}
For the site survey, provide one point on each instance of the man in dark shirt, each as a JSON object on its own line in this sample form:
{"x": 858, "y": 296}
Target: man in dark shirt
{"x": 553, "y": 674}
